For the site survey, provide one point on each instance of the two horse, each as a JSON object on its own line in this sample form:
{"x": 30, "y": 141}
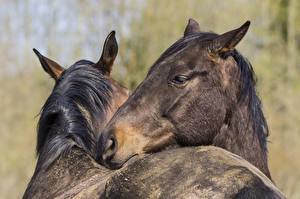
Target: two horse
{"x": 199, "y": 92}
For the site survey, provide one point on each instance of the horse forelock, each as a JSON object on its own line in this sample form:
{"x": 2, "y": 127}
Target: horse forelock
{"x": 188, "y": 41}
{"x": 72, "y": 113}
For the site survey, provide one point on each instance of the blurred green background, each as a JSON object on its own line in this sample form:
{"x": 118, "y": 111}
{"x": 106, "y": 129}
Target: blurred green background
{"x": 71, "y": 30}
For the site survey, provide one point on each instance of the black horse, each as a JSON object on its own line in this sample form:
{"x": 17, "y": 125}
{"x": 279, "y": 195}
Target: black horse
{"x": 83, "y": 100}
{"x": 201, "y": 91}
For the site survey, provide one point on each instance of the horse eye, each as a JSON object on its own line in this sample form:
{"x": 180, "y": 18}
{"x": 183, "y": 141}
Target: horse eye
{"x": 180, "y": 79}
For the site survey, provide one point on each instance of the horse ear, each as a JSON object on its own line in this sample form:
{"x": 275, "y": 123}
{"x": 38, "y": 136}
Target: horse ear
{"x": 229, "y": 40}
{"x": 50, "y": 66}
{"x": 191, "y": 27}
{"x": 109, "y": 54}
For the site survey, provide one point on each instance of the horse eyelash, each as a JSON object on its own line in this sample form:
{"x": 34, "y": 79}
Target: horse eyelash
{"x": 200, "y": 73}
{"x": 203, "y": 73}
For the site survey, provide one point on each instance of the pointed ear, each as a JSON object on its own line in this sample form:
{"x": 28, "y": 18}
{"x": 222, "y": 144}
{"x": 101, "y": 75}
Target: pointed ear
{"x": 191, "y": 27}
{"x": 50, "y": 67}
{"x": 229, "y": 40}
{"x": 109, "y": 54}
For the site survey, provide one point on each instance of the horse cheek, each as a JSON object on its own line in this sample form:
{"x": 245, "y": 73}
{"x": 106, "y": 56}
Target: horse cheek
{"x": 201, "y": 119}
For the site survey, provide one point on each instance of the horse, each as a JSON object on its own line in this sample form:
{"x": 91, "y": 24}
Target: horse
{"x": 190, "y": 172}
{"x": 201, "y": 91}
{"x": 83, "y": 100}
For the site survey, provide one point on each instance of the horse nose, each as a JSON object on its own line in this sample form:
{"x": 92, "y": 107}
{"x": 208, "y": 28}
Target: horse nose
{"x": 110, "y": 146}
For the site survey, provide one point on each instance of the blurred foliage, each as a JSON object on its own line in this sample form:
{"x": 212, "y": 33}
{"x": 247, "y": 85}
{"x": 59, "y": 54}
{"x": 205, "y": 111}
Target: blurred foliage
{"x": 71, "y": 30}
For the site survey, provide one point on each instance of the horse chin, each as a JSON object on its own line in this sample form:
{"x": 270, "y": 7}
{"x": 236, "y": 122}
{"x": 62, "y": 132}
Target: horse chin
{"x": 130, "y": 160}
{"x": 114, "y": 165}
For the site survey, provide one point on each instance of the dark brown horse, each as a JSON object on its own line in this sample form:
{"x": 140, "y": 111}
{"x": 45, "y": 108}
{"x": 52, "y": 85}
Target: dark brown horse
{"x": 83, "y": 100}
{"x": 201, "y": 91}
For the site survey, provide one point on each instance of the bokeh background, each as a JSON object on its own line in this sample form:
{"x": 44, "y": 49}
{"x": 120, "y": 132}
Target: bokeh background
{"x": 71, "y": 30}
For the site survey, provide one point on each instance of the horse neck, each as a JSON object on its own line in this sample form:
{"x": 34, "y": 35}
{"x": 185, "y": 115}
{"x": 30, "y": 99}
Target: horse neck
{"x": 76, "y": 169}
{"x": 239, "y": 136}
{"x": 58, "y": 133}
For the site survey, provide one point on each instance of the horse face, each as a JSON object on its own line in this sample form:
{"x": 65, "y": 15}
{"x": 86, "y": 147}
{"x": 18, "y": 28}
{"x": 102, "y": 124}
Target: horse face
{"x": 183, "y": 100}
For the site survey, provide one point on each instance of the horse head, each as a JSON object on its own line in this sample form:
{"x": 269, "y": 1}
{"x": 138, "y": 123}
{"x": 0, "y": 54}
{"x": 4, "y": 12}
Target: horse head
{"x": 199, "y": 92}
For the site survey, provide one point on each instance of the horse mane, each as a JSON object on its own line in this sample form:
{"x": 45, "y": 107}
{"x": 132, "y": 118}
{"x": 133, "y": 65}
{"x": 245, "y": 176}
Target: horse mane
{"x": 247, "y": 92}
{"x": 63, "y": 123}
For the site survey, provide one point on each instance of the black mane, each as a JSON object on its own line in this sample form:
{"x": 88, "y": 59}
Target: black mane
{"x": 64, "y": 123}
{"x": 248, "y": 81}
{"x": 247, "y": 90}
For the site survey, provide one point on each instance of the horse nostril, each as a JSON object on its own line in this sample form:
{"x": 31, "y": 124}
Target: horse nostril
{"x": 110, "y": 144}
{"x": 111, "y": 147}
